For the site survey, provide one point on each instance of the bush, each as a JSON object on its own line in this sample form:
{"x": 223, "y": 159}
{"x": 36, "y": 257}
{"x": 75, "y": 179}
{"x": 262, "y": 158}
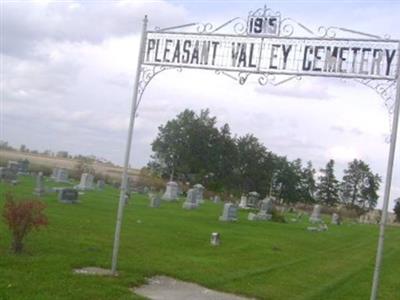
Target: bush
{"x": 397, "y": 210}
{"x": 21, "y": 217}
{"x": 277, "y": 216}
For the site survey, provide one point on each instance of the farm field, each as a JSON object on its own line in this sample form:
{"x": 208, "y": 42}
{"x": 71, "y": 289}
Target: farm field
{"x": 264, "y": 260}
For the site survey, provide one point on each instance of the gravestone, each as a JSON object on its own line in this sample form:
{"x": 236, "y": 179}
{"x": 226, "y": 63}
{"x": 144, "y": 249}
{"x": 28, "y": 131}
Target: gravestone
{"x": 13, "y": 166}
{"x": 336, "y": 220}
{"x": 171, "y": 192}
{"x": 39, "y": 189}
{"x": 86, "y": 182}
{"x": 243, "y": 202}
{"x": 60, "y": 175}
{"x": 155, "y": 200}
{"x": 229, "y": 213}
{"x": 199, "y": 189}
{"x": 9, "y": 175}
{"x": 146, "y": 190}
{"x": 265, "y": 211}
{"x": 68, "y": 195}
{"x": 54, "y": 173}
{"x": 191, "y": 200}
{"x": 371, "y": 217}
{"x": 316, "y": 214}
{"x": 253, "y": 200}
{"x": 216, "y": 199}
{"x": 23, "y": 166}
{"x": 215, "y": 239}
{"x": 100, "y": 184}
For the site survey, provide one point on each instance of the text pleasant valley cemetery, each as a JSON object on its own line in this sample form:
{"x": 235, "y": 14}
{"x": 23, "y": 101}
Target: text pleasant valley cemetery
{"x": 297, "y": 56}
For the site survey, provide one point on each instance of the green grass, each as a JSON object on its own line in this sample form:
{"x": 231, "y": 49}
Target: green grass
{"x": 264, "y": 260}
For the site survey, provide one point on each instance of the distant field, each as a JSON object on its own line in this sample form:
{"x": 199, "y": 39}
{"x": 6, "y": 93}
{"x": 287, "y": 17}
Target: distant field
{"x": 70, "y": 164}
{"x": 262, "y": 260}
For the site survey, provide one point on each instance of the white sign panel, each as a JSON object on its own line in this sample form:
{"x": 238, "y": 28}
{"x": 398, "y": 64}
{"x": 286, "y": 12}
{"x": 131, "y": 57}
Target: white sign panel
{"x": 275, "y": 55}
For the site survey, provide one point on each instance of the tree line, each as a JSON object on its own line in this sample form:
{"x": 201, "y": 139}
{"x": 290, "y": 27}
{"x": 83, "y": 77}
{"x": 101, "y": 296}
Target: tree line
{"x": 191, "y": 148}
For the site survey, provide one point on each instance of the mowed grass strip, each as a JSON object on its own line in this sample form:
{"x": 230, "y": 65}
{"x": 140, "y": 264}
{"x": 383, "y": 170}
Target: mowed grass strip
{"x": 264, "y": 260}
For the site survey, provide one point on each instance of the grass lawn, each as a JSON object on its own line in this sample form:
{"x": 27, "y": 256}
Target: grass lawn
{"x": 264, "y": 260}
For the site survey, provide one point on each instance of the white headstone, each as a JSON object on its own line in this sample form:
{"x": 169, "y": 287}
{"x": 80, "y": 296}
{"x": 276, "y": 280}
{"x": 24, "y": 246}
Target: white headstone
{"x": 199, "y": 189}
{"x": 215, "y": 239}
{"x": 171, "y": 192}
{"x": 60, "y": 175}
{"x": 155, "y": 200}
{"x": 336, "y": 219}
{"x": 100, "y": 184}
{"x": 243, "y": 202}
{"x": 316, "y": 214}
{"x": 191, "y": 200}
{"x": 86, "y": 182}
{"x": 229, "y": 213}
{"x": 265, "y": 211}
{"x": 216, "y": 199}
{"x": 39, "y": 189}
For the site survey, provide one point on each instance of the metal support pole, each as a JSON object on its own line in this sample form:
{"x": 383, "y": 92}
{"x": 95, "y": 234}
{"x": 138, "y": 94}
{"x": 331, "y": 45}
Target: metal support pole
{"x": 124, "y": 183}
{"x": 386, "y": 197}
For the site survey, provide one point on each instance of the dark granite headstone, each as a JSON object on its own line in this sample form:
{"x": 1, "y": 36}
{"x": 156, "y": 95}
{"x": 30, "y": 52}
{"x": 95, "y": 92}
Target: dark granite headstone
{"x": 68, "y": 195}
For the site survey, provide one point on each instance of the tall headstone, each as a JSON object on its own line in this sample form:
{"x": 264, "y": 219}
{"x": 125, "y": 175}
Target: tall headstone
{"x": 68, "y": 195}
{"x": 155, "y": 200}
{"x": 171, "y": 192}
{"x": 229, "y": 213}
{"x": 199, "y": 189}
{"x": 316, "y": 214}
{"x": 100, "y": 184}
{"x": 86, "y": 182}
{"x": 191, "y": 201}
{"x": 243, "y": 202}
{"x": 336, "y": 219}
{"x": 39, "y": 189}
{"x": 253, "y": 200}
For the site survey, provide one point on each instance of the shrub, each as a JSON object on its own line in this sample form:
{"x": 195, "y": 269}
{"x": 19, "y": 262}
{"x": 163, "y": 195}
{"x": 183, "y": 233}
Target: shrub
{"x": 397, "y": 210}
{"x": 21, "y": 217}
{"x": 277, "y": 216}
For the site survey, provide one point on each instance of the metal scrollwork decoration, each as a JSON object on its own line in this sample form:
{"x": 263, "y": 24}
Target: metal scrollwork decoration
{"x": 287, "y": 28}
{"x": 146, "y": 76}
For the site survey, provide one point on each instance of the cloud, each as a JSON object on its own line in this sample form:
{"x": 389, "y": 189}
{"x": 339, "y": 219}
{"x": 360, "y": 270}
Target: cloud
{"x": 68, "y": 80}
{"x": 28, "y": 23}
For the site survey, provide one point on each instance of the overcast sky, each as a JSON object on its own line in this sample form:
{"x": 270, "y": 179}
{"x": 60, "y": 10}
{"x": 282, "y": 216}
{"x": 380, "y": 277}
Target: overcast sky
{"x": 68, "y": 67}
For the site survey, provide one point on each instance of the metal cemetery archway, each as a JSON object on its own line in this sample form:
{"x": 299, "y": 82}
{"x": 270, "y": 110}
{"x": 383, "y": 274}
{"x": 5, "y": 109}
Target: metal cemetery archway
{"x": 264, "y": 45}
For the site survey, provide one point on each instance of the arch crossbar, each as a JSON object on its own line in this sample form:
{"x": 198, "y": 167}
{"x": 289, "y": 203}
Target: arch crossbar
{"x": 275, "y": 50}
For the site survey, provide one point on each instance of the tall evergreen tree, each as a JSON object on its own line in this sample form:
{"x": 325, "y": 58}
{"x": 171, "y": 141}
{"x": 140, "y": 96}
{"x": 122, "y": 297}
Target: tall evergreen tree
{"x": 307, "y": 184}
{"x": 328, "y": 186}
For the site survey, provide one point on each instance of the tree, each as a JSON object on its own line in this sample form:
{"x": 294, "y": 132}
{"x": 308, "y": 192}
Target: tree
{"x": 184, "y": 147}
{"x": 21, "y": 218}
{"x": 254, "y": 165}
{"x": 328, "y": 186}
{"x": 359, "y": 185}
{"x": 307, "y": 184}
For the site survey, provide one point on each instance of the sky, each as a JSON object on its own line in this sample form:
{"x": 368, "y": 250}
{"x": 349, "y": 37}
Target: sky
{"x": 67, "y": 76}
